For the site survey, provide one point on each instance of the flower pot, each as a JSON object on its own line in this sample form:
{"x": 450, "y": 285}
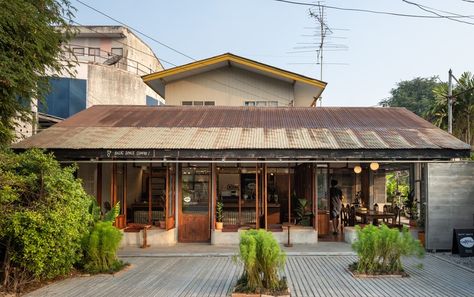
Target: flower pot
{"x": 219, "y": 225}
{"x": 421, "y": 237}
{"x": 412, "y": 223}
{"x": 162, "y": 224}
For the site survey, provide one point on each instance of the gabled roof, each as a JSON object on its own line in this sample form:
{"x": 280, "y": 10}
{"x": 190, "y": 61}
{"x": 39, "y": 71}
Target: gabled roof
{"x": 157, "y": 80}
{"x": 245, "y": 128}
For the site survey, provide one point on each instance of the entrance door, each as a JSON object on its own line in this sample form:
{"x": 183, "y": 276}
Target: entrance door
{"x": 194, "y": 219}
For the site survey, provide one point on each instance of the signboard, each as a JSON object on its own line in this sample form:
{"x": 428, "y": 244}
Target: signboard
{"x": 463, "y": 242}
{"x": 126, "y": 154}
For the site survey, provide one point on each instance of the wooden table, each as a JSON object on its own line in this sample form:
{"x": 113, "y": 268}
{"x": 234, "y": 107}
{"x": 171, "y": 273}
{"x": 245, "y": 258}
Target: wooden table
{"x": 375, "y": 215}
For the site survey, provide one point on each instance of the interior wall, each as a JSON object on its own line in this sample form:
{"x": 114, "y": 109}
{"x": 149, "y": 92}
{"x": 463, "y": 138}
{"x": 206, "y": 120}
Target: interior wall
{"x": 87, "y": 172}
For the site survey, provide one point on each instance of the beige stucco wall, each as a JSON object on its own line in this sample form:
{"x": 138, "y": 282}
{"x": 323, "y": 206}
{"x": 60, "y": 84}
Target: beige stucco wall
{"x": 229, "y": 86}
{"x": 108, "y": 85}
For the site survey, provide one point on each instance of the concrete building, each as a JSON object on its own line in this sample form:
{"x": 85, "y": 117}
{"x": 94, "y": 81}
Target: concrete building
{"x": 110, "y": 63}
{"x": 230, "y": 80}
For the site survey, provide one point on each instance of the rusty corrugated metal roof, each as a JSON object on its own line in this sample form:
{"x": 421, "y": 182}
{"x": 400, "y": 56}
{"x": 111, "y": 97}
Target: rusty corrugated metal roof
{"x": 178, "y": 127}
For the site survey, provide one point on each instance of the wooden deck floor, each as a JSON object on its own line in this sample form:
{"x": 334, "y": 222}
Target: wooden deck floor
{"x": 307, "y": 275}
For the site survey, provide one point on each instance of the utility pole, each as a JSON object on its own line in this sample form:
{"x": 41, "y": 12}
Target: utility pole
{"x": 450, "y": 102}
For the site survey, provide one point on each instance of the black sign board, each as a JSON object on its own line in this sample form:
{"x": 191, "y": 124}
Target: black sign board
{"x": 463, "y": 242}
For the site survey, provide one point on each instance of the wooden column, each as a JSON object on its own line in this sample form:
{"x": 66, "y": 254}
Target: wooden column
{"x": 240, "y": 199}
{"x": 167, "y": 197}
{"x": 149, "y": 194}
{"x": 265, "y": 195}
{"x": 314, "y": 197}
{"x": 214, "y": 195}
{"x": 125, "y": 192}
{"x": 113, "y": 185}
{"x": 99, "y": 185}
{"x": 257, "y": 223}
{"x": 289, "y": 194}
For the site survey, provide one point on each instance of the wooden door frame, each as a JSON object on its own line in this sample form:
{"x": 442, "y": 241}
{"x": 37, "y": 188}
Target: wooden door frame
{"x": 180, "y": 204}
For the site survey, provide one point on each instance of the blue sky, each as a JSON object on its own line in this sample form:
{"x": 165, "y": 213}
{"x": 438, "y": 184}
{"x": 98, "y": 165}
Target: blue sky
{"x": 382, "y": 50}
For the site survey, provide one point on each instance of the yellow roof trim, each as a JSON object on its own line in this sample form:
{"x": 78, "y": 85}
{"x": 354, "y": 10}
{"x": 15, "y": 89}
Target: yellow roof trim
{"x": 236, "y": 59}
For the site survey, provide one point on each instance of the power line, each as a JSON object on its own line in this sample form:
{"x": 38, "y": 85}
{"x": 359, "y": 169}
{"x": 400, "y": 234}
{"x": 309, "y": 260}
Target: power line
{"x": 136, "y": 30}
{"x": 432, "y": 11}
{"x": 123, "y": 43}
{"x": 372, "y": 11}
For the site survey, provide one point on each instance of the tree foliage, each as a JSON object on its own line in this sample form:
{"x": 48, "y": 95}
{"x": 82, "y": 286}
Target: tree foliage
{"x": 428, "y": 98}
{"x": 415, "y": 95}
{"x": 44, "y": 217}
{"x": 31, "y": 34}
{"x": 463, "y": 107}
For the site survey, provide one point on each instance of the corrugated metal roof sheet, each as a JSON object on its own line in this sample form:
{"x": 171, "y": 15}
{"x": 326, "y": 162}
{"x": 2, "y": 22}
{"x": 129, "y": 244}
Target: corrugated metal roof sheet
{"x": 176, "y": 127}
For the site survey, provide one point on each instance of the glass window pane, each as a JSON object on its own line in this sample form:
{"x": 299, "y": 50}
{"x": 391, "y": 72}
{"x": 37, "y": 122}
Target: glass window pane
{"x": 198, "y": 103}
{"x": 117, "y": 51}
{"x": 78, "y": 51}
{"x": 94, "y": 51}
{"x": 187, "y": 103}
{"x": 209, "y": 103}
{"x": 272, "y": 103}
{"x": 249, "y": 103}
{"x": 261, "y": 103}
{"x": 195, "y": 188}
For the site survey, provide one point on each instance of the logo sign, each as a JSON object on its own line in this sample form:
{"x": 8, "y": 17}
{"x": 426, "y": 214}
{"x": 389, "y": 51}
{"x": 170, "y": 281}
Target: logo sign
{"x": 467, "y": 242}
{"x": 463, "y": 242}
{"x": 187, "y": 199}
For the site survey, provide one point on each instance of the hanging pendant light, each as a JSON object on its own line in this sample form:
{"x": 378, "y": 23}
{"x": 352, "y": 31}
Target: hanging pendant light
{"x": 374, "y": 166}
{"x": 357, "y": 169}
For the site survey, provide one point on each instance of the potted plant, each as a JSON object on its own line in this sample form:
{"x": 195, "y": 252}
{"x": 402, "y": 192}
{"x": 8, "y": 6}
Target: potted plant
{"x": 219, "y": 215}
{"x": 303, "y": 213}
{"x": 421, "y": 224}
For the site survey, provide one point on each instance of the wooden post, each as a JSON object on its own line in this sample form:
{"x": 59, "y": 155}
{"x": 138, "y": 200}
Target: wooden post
{"x": 314, "y": 197}
{"x": 289, "y": 194}
{"x": 99, "y": 185}
{"x": 257, "y": 223}
{"x": 149, "y": 195}
{"x": 113, "y": 190}
{"x": 165, "y": 207}
{"x": 214, "y": 195}
{"x": 265, "y": 195}
{"x": 125, "y": 192}
{"x": 240, "y": 200}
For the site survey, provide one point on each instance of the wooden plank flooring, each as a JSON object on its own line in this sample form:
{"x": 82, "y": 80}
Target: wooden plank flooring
{"x": 307, "y": 276}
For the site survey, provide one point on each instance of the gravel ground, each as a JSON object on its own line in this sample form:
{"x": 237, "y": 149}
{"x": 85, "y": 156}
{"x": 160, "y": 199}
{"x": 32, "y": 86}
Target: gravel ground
{"x": 465, "y": 261}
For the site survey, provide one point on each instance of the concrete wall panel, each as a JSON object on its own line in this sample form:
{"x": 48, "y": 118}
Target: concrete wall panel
{"x": 450, "y": 202}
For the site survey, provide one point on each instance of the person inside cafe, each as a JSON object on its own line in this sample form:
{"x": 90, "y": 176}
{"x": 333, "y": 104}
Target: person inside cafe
{"x": 335, "y": 202}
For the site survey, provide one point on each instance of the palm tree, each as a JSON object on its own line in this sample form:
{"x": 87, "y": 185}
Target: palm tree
{"x": 463, "y": 107}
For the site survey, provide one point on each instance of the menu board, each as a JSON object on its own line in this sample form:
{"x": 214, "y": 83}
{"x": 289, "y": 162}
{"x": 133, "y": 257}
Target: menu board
{"x": 463, "y": 242}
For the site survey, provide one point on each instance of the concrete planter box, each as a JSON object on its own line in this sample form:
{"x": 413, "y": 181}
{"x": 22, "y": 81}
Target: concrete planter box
{"x": 155, "y": 237}
{"x": 298, "y": 235}
{"x": 234, "y": 294}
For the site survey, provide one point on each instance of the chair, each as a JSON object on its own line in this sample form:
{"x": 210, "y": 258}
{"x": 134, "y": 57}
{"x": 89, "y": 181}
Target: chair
{"x": 344, "y": 216}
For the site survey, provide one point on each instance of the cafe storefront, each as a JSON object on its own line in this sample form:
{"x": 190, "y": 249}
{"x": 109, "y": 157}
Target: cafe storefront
{"x": 174, "y": 168}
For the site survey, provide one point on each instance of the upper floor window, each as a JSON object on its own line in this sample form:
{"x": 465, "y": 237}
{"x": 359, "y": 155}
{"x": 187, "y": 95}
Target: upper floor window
{"x": 198, "y": 103}
{"x": 261, "y": 103}
{"x": 117, "y": 51}
{"x": 78, "y": 51}
{"x": 94, "y": 51}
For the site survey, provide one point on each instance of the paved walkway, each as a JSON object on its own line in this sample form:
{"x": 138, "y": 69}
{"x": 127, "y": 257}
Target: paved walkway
{"x": 199, "y": 250}
{"x": 307, "y": 275}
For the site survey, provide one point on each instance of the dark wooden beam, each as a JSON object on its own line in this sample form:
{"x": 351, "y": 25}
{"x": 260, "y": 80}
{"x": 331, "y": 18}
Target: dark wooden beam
{"x": 285, "y": 154}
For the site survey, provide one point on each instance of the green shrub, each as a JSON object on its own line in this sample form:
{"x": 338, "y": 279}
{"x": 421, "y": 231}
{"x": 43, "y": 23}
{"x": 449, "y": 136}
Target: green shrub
{"x": 379, "y": 249}
{"x": 101, "y": 244}
{"x": 262, "y": 259}
{"x": 44, "y": 217}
